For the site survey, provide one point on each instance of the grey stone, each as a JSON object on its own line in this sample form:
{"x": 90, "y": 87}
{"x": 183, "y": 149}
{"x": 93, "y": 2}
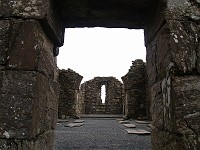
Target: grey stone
{"x": 90, "y": 96}
{"x": 62, "y": 120}
{"x": 124, "y": 122}
{"x": 137, "y": 131}
{"x": 78, "y": 121}
{"x": 75, "y": 124}
{"x": 141, "y": 122}
{"x": 130, "y": 125}
{"x": 135, "y": 86}
{"x": 69, "y": 90}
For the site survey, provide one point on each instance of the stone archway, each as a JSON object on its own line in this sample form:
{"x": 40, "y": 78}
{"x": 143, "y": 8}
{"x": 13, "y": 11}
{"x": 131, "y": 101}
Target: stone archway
{"x": 31, "y": 31}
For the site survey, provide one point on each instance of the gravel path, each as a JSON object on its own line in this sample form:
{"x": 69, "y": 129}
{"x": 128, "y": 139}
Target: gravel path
{"x": 100, "y": 134}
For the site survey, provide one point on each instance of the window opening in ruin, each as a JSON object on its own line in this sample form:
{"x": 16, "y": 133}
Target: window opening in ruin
{"x": 103, "y": 94}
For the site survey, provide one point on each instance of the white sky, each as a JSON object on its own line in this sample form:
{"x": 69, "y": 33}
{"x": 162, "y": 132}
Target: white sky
{"x": 103, "y": 52}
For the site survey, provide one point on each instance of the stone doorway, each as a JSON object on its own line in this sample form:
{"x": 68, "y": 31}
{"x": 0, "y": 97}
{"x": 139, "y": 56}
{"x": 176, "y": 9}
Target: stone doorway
{"x": 31, "y": 32}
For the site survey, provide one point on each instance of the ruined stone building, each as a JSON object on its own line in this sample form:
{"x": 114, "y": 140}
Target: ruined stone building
{"x": 68, "y": 105}
{"x": 91, "y": 96}
{"x": 135, "y": 86}
{"x": 31, "y": 31}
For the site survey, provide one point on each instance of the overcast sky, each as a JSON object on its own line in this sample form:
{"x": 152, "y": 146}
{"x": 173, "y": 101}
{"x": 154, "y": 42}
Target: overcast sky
{"x": 103, "y": 52}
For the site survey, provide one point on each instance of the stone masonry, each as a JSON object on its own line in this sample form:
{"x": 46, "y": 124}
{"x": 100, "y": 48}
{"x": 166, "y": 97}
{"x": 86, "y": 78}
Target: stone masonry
{"x": 91, "y": 96}
{"x": 173, "y": 45}
{"x": 135, "y": 86}
{"x": 28, "y": 74}
{"x": 68, "y": 105}
{"x": 31, "y": 32}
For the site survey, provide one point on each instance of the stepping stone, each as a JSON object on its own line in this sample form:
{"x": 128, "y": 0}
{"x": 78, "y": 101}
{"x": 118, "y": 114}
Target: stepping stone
{"x": 120, "y": 119}
{"x": 130, "y": 125}
{"x": 141, "y": 122}
{"x": 74, "y": 125}
{"x": 61, "y": 121}
{"x": 138, "y": 131}
{"x": 124, "y": 122}
{"x": 58, "y": 124}
{"x": 78, "y": 121}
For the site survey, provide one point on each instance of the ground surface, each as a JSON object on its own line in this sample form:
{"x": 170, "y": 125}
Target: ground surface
{"x": 100, "y": 134}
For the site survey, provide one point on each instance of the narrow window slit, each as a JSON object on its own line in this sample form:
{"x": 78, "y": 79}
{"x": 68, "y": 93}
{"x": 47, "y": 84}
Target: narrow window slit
{"x": 103, "y": 94}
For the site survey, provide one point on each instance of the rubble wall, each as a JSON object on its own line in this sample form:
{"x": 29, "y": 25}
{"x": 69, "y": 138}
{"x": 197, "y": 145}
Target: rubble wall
{"x": 91, "y": 96}
{"x": 68, "y": 105}
{"x": 135, "y": 86}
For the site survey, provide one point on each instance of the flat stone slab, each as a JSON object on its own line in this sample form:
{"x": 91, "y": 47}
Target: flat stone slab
{"x": 124, "y": 122}
{"x": 130, "y": 125}
{"x": 78, "y": 121}
{"x": 141, "y": 122}
{"x": 62, "y": 120}
{"x": 74, "y": 125}
{"x": 138, "y": 131}
{"x": 120, "y": 119}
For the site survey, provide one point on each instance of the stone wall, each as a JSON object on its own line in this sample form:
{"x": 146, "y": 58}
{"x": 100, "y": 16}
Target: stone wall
{"x": 31, "y": 31}
{"x": 68, "y": 105}
{"x": 172, "y": 40}
{"x": 135, "y": 86}
{"x": 91, "y": 96}
{"x": 28, "y": 74}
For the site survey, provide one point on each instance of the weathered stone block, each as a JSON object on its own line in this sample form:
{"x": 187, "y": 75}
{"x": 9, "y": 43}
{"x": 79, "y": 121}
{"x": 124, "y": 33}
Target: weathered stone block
{"x": 44, "y": 141}
{"x": 182, "y": 10}
{"x": 24, "y": 8}
{"x": 28, "y": 104}
{"x": 186, "y": 91}
{"x": 30, "y": 49}
{"x": 172, "y": 52}
{"x": 45, "y": 10}
{"x": 152, "y": 72}
{"x": 4, "y": 40}
{"x": 166, "y": 10}
{"x": 52, "y": 24}
{"x": 176, "y": 113}
{"x": 183, "y": 53}
{"x": 181, "y": 102}
{"x": 157, "y": 106}
{"x": 164, "y": 140}
{"x": 136, "y": 103}
{"x": 154, "y": 21}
